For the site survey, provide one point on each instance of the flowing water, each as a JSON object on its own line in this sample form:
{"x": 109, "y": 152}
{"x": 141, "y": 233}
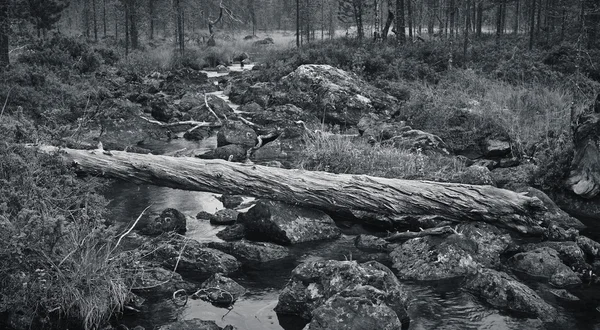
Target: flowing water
{"x": 434, "y": 306}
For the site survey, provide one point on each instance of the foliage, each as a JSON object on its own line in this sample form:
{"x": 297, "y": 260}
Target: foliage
{"x": 44, "y": 14}
{"x": 57, "y": 259}
{"x": 63, "y": 52}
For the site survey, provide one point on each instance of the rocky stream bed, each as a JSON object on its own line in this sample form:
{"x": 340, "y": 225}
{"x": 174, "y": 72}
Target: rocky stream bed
{"x": 258, "y": 264}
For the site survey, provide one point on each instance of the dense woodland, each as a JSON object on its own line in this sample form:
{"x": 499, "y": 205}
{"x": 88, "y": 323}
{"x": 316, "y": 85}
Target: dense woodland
{"x": 82, "y": 73}
{"x": 544, "y": 21}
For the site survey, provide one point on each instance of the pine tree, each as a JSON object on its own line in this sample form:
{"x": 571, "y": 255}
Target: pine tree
{"x": 45, "y": 13}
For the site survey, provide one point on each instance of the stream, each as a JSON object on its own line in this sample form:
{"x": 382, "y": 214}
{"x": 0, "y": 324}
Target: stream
{"x": 434, "y": 306}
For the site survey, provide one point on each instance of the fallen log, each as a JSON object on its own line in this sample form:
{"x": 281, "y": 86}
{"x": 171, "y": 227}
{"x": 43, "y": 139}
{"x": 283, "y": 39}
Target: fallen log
{"x": 406, "y": 235}
{"x": 327, "y": 191}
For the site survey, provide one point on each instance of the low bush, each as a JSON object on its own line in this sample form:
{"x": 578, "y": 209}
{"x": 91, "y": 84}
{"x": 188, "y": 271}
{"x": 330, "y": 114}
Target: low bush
{"x": 58, "y": 263}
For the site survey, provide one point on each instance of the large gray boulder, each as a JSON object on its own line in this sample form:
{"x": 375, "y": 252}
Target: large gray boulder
{"x": 287, "y": 224}
{"x": 544, "y": 263}
{"x": 314, "y": 283}
{"x": 220, "y": 290}
{"x": 252, "y": 253}
{"x": 235, "y": 132}
{"x": 191, "y": 257}
{"x": 505, "y": 293}
{"x": 475, "y": 245}
{"x": 331, "y": 94}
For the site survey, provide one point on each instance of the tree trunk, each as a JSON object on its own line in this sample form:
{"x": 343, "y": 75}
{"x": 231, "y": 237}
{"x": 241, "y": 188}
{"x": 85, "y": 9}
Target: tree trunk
{"x": 151, "y": 13}
{"x": 133, "y": 33}
{"x": 467, "y": 27}
{"x": 327, "y": 191}
{"x": 400, "y": 28}
{"x": 452, "y": 12}
{"x": 298, "y": 23}
{"x": 479, "y": 19}
{"x": 104, "y": 17}
{"x": 410, "y": 19}
{"x": 517, "y": 13}
{"x": 95, "y": 20}
{"x": 4, "y": 60}
{"x": 532, "y": 25}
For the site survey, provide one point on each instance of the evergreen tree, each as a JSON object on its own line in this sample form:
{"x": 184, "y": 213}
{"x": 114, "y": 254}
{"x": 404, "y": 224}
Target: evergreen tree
{"x": 45, "y": 13}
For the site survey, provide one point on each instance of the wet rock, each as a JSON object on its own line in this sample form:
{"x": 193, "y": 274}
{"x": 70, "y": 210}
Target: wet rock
{"x": 563, "y": 294}
{"x": 286, "y": 224}
{"x": 192, "y": 257}
{"x": 354, "y": 313}
{"x": 509, "y": 162}
{"x": 569, "y": 252}
{"x": 497, "y": 148}
{"x": 370, "y": 243}
{"x": 259, "y": 93}
{"x": 170, "y": 220}
{"x": 232, "y": 233}
{"x": 157, "y": 281}
{"x": 251, "y": 253}
{"x": 589, "y": 246}
{"x": 224, "y": 217}
{"x": 504, "y": 292}
{"x": 434, "y": 258}
{"x": 235, "y": 132}
{"x": 331, "y": 94}
{"x": 193, "y": 324}
{"x": 416, "y": 140}
{"x": 220, "y": 290}
{"x": 544, "y": 263}
{"x": 230, "y": 201}
{"x": 314, "y": 283}
{"x": 556, "y": 233}
{"x": 230, "y": 152}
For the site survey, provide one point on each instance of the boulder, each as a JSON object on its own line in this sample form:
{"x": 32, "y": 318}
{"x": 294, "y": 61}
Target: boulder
{"x": 222, "y": 68}
{"x": 553, "y": 213}
{"x": 235, "y": 132}
{"x": 259, "y": 93}
{"x": 544, "y": 263}
{"x": 224, "y": 217}
{"x": 161, "y": 109}
{"x": 505, "y": 293}
{"x": 198, "y": 134}
{"x": 354, "y": 313}
{"x": 333, "y": 95}
{"x": 569, "y": 252}
{"x": 497, "y": 148}
{"x": 232, "y": 233}
{"x": 170, "y": 220}
{"x": 313, "y": 283}
{"x": 475, "y": 245}
{"x": 287, "y": 224}
{"x": 416, "y": 140}
{"x": 251, "y": 107}
{"x": 157, "y": 281}
{"x": 475, "y": 174}
{"x": 191, "y": 257}
{"x": 589, "y": 246}
{"x": 252, "y": 253}
{"x": 230, "y": 201}
{"x": 220, "y": 290}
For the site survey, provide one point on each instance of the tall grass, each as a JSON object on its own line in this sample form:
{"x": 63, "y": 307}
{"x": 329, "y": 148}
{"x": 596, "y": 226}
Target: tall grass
{"x": 342, "y": 154}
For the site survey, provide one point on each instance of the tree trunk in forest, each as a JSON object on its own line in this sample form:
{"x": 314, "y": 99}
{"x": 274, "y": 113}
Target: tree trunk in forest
{"x": 584, "y": 179}
{"x": 467, "y": 27}
{"x": 298, "y": 23}
{"x": 400, "y": 28}
{"x": 452, "y": 12}
{"x": 532, "y": 24}
{"x": 95, "y": 20}
{"x": 4, "y": 41}
{"x": 479, "y": 19}
{"x": 388, "y": 23}
{"x": 410, "y": 19}
{"x": 151, "y": 13}
{"x": 517, "y": 13}
{"x": 127, "y": 39}
{"x": 591, "y": 21}
{"x": 133, "y": 33}
{"x": 327, "y": 191}
{"x": 104, "y": 17}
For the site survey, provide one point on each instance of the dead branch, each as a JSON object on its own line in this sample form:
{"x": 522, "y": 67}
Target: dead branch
{"x": 181, "y": 123}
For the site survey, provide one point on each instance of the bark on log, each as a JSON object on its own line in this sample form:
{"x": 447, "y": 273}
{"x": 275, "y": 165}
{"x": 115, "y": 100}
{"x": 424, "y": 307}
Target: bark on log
{"x": 584, "y": 179}
{"x": 327, "y": 191}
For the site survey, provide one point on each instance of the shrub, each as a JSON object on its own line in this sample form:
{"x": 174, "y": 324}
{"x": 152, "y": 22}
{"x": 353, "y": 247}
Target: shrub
{"x": 58, "y": 264}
